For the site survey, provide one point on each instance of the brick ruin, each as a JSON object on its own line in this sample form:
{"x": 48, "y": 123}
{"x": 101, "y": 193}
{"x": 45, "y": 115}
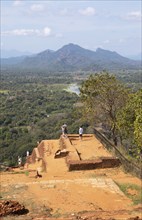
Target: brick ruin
{"x": 11, "y": 208}
{"x": 72, "y": 156}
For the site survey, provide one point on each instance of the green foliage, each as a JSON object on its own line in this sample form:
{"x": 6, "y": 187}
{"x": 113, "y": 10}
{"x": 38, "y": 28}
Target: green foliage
{"x": 33, "y": 109}
{"x": 130, "y": 122}
{"x": 34, "y": 105}
{"x": 138, "y": 120}
{"x": 27, "y": 173}
{"x": 132, "y": 191}
{"x": 103, "y": 97}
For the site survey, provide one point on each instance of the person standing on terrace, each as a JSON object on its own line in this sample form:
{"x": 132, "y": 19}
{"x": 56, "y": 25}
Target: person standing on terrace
{"x": 64, "y": 130}
{"x": 80, "y": 132}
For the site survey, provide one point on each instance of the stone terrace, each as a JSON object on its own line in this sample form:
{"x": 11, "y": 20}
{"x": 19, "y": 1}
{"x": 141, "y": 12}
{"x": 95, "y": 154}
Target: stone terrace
{"x": 85, "y": 154}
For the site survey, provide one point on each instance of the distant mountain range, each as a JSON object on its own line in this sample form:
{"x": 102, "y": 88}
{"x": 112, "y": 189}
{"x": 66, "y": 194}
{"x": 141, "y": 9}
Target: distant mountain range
{"x": 13, "y": 53}
{"x": 136, "y": 57}
{"x": 72, "y": 57}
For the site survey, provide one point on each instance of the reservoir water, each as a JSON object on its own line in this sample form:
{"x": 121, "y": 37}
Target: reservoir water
{"x": 73, "y": 88}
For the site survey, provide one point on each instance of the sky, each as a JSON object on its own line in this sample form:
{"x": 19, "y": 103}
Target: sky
{"x": 38, "y": 25}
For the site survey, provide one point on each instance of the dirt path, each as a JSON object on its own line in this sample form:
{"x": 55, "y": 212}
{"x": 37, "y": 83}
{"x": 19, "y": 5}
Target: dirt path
{"x": 89, "y": 147}
{"x": 68, "y": 193}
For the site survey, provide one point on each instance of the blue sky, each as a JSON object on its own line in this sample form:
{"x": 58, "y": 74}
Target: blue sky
{"x": 39, "y": 25}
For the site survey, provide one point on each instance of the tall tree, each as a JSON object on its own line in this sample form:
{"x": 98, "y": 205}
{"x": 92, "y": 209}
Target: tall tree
{"x": 130, "y": 120}
{"x": 138, "y": 120}
{"x": 103, "y": 97}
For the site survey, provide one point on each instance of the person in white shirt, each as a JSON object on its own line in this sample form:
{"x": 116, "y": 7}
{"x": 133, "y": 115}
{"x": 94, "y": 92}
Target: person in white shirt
{"x": 80, "y": 132}
{"x": 19, "y": 161}
{"x": 28, "y": 153}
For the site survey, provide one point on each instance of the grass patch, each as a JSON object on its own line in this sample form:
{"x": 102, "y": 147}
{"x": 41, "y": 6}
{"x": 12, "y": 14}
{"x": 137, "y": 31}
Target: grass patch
{"x": 16, "y": 172}
{"x": 4, "y": 91}
{"x": 96, "y": 175}
{"x": 132, "y": 191}
{"x": 27, "y": 173}
{"x": 57, "y": 214}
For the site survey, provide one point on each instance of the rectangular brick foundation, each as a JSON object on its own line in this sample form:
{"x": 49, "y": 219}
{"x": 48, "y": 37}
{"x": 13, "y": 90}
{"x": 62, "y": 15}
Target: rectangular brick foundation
{"x": 110, "y": 162}
{"x": 104, "y": 162}
{"x": 83, "y": 165}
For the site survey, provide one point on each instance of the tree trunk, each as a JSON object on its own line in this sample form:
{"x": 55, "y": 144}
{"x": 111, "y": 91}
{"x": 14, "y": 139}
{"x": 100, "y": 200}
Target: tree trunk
{"x": 114, "y": 137}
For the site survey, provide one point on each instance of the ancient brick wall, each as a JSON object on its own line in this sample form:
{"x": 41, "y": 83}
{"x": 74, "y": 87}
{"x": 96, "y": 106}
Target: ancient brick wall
{"x": 34, "y": 155}
{"x": 104, "y": 162}
{"x": 40, "y": 148}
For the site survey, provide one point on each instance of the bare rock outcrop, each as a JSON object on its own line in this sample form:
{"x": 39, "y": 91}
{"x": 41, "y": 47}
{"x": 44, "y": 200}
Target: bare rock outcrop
{"x": 10, "y": 207}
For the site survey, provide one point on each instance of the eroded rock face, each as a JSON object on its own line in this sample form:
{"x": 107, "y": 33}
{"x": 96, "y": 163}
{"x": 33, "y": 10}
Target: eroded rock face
{"x": 9, "y": 207}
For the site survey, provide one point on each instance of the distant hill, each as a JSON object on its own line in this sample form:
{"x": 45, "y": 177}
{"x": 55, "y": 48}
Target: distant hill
{"x": 12, "y": 61}
{"x": 13, "y": 53}
{"x": 72, "y": 57}
{"x": 136, "y": 57}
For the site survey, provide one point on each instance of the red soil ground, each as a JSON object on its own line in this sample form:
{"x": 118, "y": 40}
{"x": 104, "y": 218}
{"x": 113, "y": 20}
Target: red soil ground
{"x": 91, "y": 194}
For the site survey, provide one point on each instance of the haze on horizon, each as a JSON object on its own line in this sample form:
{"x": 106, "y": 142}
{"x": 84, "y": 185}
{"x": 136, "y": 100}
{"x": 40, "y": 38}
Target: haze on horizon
{"x": 38, "y": 25}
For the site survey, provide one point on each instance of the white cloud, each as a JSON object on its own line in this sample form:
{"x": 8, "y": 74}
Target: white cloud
{"x": 37, "y": 7}
{"x": 100, "y": 46}
{"x": 28, "y": 32}
{"x": 17, "y": 3}
{"x": 88, "y": 11}
{"x": 106, "y": 42}
{"x": 21, "y": 32}
{"x": 64, "y": 11}
{"x": 134, "y": 15}
{"x": 46, "y": 31}
{"x": 121, "y": 40}
{"x": 59, "y": 35}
